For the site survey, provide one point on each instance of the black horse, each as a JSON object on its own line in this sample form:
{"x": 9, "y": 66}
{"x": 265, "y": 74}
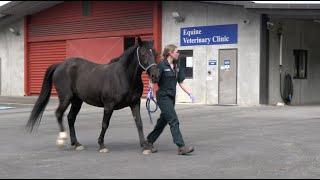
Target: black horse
{"x": 112, "y": 86}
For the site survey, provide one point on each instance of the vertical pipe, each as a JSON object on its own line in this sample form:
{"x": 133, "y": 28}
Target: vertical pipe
{"x": 26, "y": 72}
{"x": 280, "y": 60}
{"x": 280, "y": 47}
{"x": 280, "y": 55}
{"x": 0, "y": 75}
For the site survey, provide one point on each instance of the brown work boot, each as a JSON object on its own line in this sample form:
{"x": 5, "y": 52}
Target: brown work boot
{"x": 184, "y": 150}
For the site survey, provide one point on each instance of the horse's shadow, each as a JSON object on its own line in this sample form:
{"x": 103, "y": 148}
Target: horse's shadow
{"x": 112, "y": 146}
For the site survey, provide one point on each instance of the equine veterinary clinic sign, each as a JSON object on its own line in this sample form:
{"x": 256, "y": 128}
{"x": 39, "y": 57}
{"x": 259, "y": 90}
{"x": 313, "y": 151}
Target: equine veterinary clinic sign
{"x": 209, "y": 35}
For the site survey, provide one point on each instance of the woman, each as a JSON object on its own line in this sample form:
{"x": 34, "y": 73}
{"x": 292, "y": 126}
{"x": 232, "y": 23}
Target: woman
{"x": 170, "y": 74}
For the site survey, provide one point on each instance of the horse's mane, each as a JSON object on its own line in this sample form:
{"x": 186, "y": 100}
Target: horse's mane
{"x": 125, "y": 54}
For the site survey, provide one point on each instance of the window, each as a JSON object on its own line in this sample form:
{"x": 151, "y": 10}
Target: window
{"x": 300, "y": 63}
{"x": 86, "y": 8}
{"x": 186, "y": 62}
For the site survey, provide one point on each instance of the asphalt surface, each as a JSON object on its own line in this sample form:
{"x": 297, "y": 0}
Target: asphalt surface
{"x": 230, "y": 142}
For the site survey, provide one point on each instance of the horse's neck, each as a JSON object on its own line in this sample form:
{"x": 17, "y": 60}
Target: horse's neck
{"x": 131, "y": 67}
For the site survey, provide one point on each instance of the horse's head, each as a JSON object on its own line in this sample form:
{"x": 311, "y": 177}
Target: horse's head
{"x": 147, "y": 59}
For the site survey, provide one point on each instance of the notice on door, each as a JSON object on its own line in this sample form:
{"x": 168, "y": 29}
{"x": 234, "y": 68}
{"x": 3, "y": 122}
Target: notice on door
{"x": 226, "y": 64}
{"x": 212, "y": 64}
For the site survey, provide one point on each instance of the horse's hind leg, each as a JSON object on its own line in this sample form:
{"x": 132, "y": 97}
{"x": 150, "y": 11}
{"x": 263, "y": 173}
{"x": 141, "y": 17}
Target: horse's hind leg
{"x": 63, "y": 105}
{"x": 76, "y": 104}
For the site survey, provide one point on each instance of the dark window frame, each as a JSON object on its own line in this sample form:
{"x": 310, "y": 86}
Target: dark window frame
{"x": 188, "y": 71}
{"x": 300, "y": 64}
{"x": 86, "y": 8}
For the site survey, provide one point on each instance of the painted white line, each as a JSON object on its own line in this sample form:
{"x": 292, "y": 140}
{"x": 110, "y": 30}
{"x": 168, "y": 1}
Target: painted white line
{"x": 15, "y": 103}
{"x": 2, "y": 108}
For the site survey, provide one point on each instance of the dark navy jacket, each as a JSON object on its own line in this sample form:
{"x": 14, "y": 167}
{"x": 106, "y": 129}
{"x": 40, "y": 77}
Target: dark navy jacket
{"x": 168, "y": 79}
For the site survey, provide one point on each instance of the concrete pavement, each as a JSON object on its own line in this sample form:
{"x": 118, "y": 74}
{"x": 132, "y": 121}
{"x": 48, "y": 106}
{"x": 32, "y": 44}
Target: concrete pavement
{"x": 230, "y": 141}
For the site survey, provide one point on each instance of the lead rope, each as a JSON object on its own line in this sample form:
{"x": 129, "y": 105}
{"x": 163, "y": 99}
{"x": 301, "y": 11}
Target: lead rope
{"x": 149, "y": 99}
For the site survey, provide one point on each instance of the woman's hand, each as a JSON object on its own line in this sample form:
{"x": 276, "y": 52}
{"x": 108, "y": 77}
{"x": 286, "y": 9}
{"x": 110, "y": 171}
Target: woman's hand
{"x": 193, "y": 99}
{"x": 187, "y": 90}
{"x": 150, "y": 93}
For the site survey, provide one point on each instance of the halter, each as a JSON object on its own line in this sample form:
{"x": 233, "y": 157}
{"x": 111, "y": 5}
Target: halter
{"x": 146, "y": 69}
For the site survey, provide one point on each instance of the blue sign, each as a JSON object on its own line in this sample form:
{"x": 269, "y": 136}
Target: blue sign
{"x": 212, "y": 62}
{"x": 209, "y": 35}
{"x": 226, "y": 62}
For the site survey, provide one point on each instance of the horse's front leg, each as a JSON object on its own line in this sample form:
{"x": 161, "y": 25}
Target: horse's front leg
{"x": 105, "y": 124}
{"x": 135, "y": 109}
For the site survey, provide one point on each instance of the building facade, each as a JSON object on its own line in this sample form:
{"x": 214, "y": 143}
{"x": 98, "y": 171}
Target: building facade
{"x": 231, "y": 51}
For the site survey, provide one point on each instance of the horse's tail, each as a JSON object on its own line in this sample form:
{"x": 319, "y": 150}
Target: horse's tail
{"x": 42, "y": 100}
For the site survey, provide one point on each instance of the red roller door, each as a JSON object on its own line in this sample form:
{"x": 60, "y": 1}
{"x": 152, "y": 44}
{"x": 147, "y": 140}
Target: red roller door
{"x": 41, "y": 56}
{"x": 98, "y": 50}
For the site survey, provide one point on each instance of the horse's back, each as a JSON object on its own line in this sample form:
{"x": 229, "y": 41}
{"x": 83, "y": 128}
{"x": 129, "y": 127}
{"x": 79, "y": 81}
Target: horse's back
{"x": 77, "y": 64}
{"x": 85, "y": 79}
{"x": 70, "y": 67}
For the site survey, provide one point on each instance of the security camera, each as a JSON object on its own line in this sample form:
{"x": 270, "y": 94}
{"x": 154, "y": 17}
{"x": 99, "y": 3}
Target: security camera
{"x": 14, "y": 31}
{"x": 246, "y": 21}
{"x": 270, "y": 25}
{"x": 175, "y": 14}
{"x": 178, "y": 18}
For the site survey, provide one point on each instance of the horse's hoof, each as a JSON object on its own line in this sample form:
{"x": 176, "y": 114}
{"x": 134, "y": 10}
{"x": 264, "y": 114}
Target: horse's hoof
{"x": 60, "y": 142}
{"x": 146, "y": 152}
{"x": 79, "y": 148}
{"x": 104, "y": 150}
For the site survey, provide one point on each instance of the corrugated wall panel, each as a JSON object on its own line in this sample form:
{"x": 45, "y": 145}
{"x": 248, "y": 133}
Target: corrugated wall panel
{"x": 105, "y": 17}
{"x": 40, "y": 56}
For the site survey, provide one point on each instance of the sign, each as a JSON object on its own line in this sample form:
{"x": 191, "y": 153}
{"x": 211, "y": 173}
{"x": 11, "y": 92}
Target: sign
{"x": 212, "y": 62}
{"x": 209, "y": 35}
{"x": 226, "y": 64}
{"x": 211, "y": 69}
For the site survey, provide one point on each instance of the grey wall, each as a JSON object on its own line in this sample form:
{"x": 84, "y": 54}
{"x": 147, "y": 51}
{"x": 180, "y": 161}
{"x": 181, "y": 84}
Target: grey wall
{"x": 296, "y": 35}
{"x": 203, "y": 14}
{"x": 12, "y": 60}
